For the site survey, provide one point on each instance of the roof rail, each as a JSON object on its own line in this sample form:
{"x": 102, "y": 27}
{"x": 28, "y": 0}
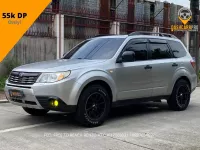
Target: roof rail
{"x": 152, "y": 33}
{"x": 99, "y": 35}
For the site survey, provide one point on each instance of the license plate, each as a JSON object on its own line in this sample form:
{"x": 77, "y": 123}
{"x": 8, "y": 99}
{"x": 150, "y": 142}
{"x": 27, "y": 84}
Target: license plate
{"x": 16, "y": 94}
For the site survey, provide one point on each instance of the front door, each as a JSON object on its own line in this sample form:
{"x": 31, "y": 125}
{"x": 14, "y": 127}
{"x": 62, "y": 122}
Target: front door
{"x": 134, "y": 78}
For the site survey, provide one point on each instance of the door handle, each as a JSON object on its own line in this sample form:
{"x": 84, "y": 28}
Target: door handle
{"x": 174, "y": 65}
{"x": 148, "y": 67}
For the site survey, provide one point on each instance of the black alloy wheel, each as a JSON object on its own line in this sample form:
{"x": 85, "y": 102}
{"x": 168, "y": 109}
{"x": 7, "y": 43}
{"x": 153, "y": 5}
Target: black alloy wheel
{"x": 183, "y": 96}
{"x": 180, "y": 97}
{"x": 93, "y": 106}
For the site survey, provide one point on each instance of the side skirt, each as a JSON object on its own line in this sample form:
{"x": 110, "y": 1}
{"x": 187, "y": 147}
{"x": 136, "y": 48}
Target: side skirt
{"x": 137, "y": 101}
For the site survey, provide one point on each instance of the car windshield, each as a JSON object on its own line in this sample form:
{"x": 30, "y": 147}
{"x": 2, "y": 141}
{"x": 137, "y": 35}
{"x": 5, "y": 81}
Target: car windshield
{"x": 99, "y": 48}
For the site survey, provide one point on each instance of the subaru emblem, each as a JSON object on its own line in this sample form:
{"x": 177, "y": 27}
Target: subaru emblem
{"x": 21, "y": 74}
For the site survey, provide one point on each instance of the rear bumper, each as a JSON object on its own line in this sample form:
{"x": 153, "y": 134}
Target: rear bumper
{"x": 193, "y": 82}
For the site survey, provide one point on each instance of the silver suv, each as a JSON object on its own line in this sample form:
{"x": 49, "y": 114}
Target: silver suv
{"x": 105, "y": 72}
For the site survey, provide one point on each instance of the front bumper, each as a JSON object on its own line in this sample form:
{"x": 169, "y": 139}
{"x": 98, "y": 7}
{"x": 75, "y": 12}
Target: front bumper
{"x": 45, "y": 102}
{"x": 29, "y": 100}
{"x": 38, "y": 96}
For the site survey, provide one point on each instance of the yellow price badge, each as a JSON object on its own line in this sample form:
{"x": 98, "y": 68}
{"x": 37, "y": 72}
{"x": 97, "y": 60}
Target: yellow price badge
{"x": 16, "y": 17}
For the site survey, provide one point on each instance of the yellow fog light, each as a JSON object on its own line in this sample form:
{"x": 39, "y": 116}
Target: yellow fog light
{"x": 55, "y": 103}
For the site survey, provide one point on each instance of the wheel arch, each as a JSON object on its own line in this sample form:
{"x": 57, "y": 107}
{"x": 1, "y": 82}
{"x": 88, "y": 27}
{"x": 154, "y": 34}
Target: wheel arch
{"x": 181, "y": 73}
{"x": 184, "y": 78}
{"x": 97, "y": 77}
{"x": 181, "y": 78}
{"x": 103, "y": 84}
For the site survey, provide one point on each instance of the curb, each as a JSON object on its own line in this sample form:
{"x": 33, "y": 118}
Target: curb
{"x": 4, "y": 101}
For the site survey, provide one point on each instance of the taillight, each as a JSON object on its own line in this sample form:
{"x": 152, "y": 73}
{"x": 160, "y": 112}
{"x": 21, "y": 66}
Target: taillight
{"x": 193, "y": 63}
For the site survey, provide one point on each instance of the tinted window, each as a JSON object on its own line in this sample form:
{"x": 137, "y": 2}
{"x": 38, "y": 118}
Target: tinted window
{"x": 160, "y": 51}
{"x": 140, "y": 50}
{"x": 177, "y": 48}
{"x": 74, "y": 50}
{"x": 99, "y": 48}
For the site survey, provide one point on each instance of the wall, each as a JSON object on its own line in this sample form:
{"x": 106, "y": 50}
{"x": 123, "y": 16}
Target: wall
{"x": 35, "y": 49}
{"x": 70, "y": 43}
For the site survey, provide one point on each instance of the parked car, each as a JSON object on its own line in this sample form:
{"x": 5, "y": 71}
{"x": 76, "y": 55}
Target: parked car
{"x": 105, "y": 72}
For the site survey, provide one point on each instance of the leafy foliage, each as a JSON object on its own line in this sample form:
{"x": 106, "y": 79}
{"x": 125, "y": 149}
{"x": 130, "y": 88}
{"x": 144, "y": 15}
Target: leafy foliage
{"x": 10, "y": 64}
{"x": 2, "y": 83}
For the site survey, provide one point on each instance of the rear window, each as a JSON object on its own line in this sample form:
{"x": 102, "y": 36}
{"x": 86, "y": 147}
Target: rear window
{"x": 160, "y": 51}
{"x": 177, "y": 49}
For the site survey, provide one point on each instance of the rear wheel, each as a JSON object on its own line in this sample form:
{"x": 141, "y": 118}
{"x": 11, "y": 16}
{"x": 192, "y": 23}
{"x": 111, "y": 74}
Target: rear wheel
{"x": 93, "y": 107}
{"x": 35, "y": 112}
{"x": 180, "y": 97}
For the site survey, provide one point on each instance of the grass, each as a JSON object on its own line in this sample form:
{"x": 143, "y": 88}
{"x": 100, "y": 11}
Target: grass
{"x": 2, "y": 83}
{"x": 199, "y": 74}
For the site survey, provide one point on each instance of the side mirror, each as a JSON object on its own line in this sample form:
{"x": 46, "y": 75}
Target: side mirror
{"x": 128, "y": 56}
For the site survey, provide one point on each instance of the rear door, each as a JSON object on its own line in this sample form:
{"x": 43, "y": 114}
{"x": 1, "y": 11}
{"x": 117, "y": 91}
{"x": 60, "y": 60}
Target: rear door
{"x": 163, "y": 66}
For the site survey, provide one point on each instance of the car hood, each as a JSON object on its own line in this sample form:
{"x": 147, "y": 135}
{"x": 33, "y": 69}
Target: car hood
{"x": 57, "y": 65}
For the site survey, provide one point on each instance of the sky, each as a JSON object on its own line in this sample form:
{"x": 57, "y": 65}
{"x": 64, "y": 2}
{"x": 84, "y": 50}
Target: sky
{"x": 185, "y": 3}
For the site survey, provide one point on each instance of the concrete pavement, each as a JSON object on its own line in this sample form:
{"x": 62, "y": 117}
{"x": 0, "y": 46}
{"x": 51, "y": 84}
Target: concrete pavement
{"x": 3, "y": 101}
{"x": 146, "y": 126}
{"x": 2, "y": 97}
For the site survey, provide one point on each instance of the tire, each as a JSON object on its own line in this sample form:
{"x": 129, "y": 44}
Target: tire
{"x": 36, "y": 112}
{"x": 180, "y": 98}
{"x": 93, "y": 106}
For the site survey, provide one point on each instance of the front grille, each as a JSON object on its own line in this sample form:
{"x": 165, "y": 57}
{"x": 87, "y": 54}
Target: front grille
{"x": 30, "y": 103}
{"x": 16, "y": 100}
{"x": 23, "y": 78}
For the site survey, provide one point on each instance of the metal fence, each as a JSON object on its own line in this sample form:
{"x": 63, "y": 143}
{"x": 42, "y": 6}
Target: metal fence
{"x": 82, "y": 20}
{"x": 43, "y": 26}
{"x": 88, "y": 18}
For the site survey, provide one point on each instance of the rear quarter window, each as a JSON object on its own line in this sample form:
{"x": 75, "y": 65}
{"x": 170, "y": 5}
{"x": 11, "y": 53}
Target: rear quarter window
{"x": 177, "y": 49}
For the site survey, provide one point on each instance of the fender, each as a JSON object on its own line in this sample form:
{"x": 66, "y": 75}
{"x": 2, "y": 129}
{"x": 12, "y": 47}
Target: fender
{"x": 86, "y": 78}
{"x": 178, "y": 74}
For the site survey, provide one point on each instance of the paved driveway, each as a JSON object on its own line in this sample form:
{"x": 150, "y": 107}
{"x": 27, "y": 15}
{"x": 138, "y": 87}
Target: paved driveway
{"x": 146, "y": 126}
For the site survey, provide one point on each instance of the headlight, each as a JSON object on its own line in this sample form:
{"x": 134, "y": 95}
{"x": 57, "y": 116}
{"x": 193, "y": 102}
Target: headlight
{"x": 53, "y": 77}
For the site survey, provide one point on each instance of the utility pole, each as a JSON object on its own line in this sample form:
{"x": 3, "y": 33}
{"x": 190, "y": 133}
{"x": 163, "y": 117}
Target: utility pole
{"x": 194, "y": 6}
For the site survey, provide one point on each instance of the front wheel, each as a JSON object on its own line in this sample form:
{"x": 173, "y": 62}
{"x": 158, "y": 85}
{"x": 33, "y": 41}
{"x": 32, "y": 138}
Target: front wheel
{"x": 35, "y": 112}
{"x": 93, "y": 106}
{"x": 180, "y": 97}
